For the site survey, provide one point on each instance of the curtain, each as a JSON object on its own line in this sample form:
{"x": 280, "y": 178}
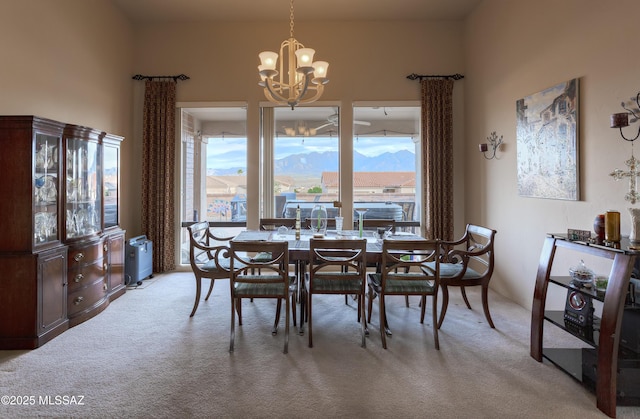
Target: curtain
{"x": 437, "y": 158}
{"x": 158, "y": 166}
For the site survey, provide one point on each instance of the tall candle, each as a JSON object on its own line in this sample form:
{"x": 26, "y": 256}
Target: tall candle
{"x": 612, "y": 226}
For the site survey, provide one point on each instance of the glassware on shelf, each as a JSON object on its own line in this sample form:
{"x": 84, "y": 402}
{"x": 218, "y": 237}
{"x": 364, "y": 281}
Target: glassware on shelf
{"x": 72, "y": 228}
{"x": 46, "y": 190}
{"x": 45, "y": 227}
{"x": 582, "y": 275}
{"x": 46, "y": 156}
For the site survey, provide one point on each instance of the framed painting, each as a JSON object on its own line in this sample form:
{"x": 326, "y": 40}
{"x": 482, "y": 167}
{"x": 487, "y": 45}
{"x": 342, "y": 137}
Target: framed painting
{"x": 547, "y": 143}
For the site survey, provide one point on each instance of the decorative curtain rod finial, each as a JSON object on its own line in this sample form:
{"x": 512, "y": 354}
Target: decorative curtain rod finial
{"x": 151, "y": 78}
{"x": 414, "y": 76}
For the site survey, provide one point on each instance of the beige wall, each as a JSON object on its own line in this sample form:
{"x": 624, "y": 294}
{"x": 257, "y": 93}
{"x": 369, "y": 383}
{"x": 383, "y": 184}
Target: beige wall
{"x": 70, "y": 61}
{"x": 369, "y": 61}
{"x": 514, "y": 49}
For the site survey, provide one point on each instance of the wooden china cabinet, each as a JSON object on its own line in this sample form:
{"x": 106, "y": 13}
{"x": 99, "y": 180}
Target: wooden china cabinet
{"x": 61, "y": 246}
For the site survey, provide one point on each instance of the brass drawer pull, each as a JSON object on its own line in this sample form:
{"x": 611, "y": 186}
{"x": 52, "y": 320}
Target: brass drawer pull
{"x": 78, "y": 257}
{"x": 78, "y": 300}
{"x": 79, "y": 277}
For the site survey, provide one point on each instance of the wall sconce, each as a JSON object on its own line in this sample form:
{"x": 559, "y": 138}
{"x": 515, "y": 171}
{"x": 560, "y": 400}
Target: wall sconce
{"x": 494, "y": 144}
{"x": 621, "y": 120}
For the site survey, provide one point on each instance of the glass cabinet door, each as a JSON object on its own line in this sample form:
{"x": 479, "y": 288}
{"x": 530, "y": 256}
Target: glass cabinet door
{"x": 83, "y": 188}
{"x": 111, "y": 159}
{"x": 45, "y": 188}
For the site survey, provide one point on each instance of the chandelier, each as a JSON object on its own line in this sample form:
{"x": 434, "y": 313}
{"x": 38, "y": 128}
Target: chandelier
{"x": 298, "y": 79}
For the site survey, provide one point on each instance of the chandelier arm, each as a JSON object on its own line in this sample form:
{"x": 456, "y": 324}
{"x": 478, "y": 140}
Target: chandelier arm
{"x": 319, "y": 90}
{"x": 301, "y": 93}
{"x": 274, "y": 95}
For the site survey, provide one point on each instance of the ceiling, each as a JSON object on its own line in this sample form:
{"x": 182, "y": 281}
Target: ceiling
{"x": 165, "y": 11}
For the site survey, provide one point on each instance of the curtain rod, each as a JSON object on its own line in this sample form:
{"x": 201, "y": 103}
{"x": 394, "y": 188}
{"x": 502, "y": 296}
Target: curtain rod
{"x": 415, "y": 76}
{"x": 150, "y": 78}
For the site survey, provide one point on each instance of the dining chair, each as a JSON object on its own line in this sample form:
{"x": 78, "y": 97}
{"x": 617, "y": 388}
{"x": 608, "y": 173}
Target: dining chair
{"x": 272, "y": 224}
{"x": 264, "y": 278}
{"x": 403, "y": 272}
{"x": 208, "y": 256}
{"x": 468, "y": 262}
{"x": 375, "y": 223}
{"x": 337, "y": 267}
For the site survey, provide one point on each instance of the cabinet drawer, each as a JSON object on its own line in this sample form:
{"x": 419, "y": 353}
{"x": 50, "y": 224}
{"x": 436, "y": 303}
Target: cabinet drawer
{"x": 79, "y": 256}
{"x": 86, "y": 297}
{"x": 86, "y": 274}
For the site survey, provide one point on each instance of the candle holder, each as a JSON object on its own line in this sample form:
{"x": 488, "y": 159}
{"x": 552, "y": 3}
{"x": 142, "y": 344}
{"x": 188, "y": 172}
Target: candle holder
{"x": 494, "y": 144}
{"x": 621, "y": 119}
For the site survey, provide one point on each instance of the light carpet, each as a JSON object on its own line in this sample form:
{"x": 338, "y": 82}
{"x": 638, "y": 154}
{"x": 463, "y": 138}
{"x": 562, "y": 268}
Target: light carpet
{"x": 144, "y": 357}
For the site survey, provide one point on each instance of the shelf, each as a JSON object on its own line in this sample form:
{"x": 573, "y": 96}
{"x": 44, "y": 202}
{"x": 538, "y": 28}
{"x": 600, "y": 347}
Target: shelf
{"x": 609, "y": 365}
{"x": 581, "y": 364}
{"x": 567, "y": 282}
{"x": 589, "y": 335}
{"x": 571, "y": 361}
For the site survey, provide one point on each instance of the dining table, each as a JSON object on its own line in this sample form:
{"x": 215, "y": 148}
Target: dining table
{"x": 299, "y": 251}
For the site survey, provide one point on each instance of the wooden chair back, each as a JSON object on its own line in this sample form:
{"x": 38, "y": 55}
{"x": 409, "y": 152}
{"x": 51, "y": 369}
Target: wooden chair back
{"x": 337, "y": 267}
{"x": 468, "y": 261}
{"x": 272, "y": 224}
{"x": 405, "y": 260}
{"x": 263, "y": 277}
{"x": 208, "y": 257}
{"x": 409, "y": 267}
{"x": 475, "y": 251}
{"x": 375, "y": 223}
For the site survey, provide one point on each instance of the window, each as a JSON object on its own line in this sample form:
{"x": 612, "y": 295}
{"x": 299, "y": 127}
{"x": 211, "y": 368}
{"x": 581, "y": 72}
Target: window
{"x": 214, "y": 166}
{"x": 305, "y": 159}
{"x": 386, "y": 153}
{"x": 303, "y": 149}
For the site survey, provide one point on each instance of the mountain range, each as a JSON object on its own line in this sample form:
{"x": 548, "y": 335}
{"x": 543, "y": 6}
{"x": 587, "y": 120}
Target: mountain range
{"x": 315, "y": 163}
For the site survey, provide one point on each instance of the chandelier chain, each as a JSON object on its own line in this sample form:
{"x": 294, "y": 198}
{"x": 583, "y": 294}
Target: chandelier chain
{"x": 291, "y": 19}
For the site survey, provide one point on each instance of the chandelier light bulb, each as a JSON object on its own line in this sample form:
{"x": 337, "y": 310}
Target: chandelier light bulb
{"x": 320, "y": 69}
{"x": 305, "y": 57}
{"x": 268, "y": 59}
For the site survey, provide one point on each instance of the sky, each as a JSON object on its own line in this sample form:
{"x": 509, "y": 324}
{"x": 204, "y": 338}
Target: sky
{"x": 234, "y": 149}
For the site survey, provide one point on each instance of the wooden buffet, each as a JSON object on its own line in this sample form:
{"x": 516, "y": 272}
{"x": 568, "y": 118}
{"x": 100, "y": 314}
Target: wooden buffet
{"x": 61, "y": 245}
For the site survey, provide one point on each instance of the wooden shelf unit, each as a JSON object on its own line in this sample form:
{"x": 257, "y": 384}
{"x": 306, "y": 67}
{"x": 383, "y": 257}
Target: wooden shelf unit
{"x": 605, "y": 365}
